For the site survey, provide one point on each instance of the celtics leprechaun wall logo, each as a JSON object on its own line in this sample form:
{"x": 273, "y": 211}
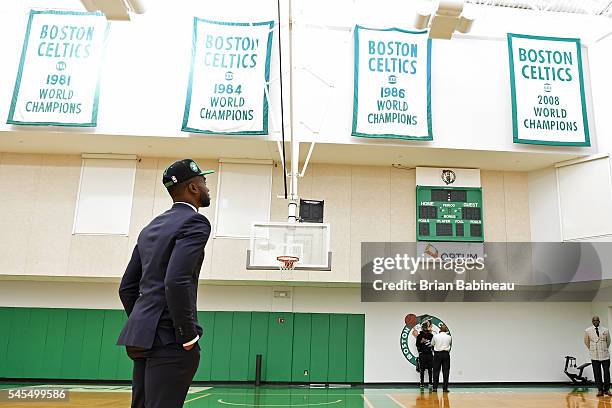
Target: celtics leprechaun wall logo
{"x": 412, "y": 329}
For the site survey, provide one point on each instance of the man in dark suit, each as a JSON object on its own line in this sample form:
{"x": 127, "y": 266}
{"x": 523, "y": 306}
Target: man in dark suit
{"x": 159, "y": 292}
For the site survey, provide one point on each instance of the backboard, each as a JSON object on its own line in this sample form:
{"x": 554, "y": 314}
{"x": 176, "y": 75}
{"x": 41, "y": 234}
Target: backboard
{"x": 308, "y": 241}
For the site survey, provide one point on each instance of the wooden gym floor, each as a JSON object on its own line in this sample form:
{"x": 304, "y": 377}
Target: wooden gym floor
{"x": 356, "y": 397}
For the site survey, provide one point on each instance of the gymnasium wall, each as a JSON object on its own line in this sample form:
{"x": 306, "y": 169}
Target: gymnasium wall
{"x": 362, "y": 203}
{"x": 494, "y": 342}
{"x": 51, "y": 268}
{"x": 600, "y": 60}
{"x": 563, "y": 207}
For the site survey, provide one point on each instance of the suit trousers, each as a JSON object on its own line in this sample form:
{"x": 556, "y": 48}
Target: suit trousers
{"x": 162, "y": 375}
{"x": 425, "y": 364}
{"x": 602, "y": 386}
{"x": 441, "y": 360}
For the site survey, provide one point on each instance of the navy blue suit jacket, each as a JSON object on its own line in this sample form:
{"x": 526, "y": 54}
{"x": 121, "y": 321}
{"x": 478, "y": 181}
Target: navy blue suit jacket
{"x": 160, "y": 285}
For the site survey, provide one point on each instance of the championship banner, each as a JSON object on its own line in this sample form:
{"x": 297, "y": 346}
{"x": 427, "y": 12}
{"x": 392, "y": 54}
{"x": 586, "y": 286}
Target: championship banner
{"x": 230, "y": 70}
{"x": 392, "y": 96}
{"x": 547, "y": 85}
{"x": 58, "y": 77}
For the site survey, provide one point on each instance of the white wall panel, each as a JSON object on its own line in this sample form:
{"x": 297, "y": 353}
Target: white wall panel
{"x": 585, "y": 197}
{"x": 104, "y": 202}
{"x": 545, "y": 219}
{"x": 243, "y": 197}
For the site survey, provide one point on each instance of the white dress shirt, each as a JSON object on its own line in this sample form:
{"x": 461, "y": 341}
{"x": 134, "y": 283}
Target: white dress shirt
{"x": 442, "y": 342}
{"x": 190, "y": 205}
{"x": 197, "y": 336}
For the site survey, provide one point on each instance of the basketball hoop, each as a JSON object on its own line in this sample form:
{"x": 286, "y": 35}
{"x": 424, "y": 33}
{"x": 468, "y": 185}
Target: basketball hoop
{"x": 286, "y": 265}
{"x": 287, "y": 262}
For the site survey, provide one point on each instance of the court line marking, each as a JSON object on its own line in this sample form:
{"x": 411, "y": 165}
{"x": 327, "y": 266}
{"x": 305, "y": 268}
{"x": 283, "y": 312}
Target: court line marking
{"x": 278, "y": 405}
{"x": 195, "y": 390}
{"x": 100, "y": 388}
{"x": 198, "y": 397}
{"x": 367, "y": 401}
{"x": 84, "y": 388}
{"x": 277, "y": 394}
{"x": 396, "y": 401}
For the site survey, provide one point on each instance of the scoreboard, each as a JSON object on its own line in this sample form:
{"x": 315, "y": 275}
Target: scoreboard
{"x": 449, "y": 214}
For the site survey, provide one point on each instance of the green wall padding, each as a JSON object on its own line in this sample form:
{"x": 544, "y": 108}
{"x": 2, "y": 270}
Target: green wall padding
{"x": 239, "y": 355}
{"x": 207, "y": 321}
{"x": 54, "y": 343}
{"x": 280, "y": 344}
{"x": 76, "y": 344}
{"x": 18, "y": 342}
{"x": 5, "y": 332}
{"x": 222, "y": 345}
{"x": 302, "y": 329}
{"x": 337, "y": 348}
{"x": 258, "y": 343}
{"x": 319, "y": 348}
{"x": 73, "y": 344}
{"x": 354, "y": 348}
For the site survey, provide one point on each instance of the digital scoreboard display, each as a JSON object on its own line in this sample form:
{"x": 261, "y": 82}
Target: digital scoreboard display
{"x": 449, "y": 214}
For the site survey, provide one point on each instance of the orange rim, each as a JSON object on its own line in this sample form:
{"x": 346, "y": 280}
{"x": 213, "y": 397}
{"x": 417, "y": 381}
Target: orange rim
{"x": 286, "y": 258}
{"x": 288, "y": 261}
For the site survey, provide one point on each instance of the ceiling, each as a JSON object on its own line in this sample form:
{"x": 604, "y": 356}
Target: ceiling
{"x": 586, "y": 19}
{"x": 590, "y": 7}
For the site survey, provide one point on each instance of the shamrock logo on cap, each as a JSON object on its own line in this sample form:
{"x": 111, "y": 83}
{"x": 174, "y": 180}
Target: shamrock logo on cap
{"x": 194, "y": 167}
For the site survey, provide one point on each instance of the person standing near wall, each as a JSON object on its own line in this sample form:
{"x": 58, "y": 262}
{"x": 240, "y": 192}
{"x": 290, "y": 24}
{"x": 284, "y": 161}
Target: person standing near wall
{"x": 159, "y": 293}
{"x": 442, "y": 343}
{"x": 423, "y": 343}
{"x": 597, "y": 340}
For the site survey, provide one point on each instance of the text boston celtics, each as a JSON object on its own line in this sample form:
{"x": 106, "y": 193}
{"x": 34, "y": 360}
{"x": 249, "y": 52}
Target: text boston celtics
{"x": 548, "y": 65}
{"x": 396, "y": 58}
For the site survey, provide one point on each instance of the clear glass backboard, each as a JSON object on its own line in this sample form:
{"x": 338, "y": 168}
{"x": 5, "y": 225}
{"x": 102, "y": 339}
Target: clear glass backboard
{"x": 308, "y": 241}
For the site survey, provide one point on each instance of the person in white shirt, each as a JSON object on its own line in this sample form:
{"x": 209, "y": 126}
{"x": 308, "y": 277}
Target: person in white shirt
{"x": 597, "y": 340}
{"x": 442, "y": 343}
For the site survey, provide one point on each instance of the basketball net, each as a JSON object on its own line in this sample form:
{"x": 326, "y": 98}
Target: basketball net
{"x": 286, "y": 266}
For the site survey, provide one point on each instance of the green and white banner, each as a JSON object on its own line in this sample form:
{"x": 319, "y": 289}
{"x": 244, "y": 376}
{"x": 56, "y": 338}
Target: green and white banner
{"x": 547, "y": 85}
{"x": 58, "y": 77}
{"x": 230, "y": 70}
{"x": 392, "y": 96}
